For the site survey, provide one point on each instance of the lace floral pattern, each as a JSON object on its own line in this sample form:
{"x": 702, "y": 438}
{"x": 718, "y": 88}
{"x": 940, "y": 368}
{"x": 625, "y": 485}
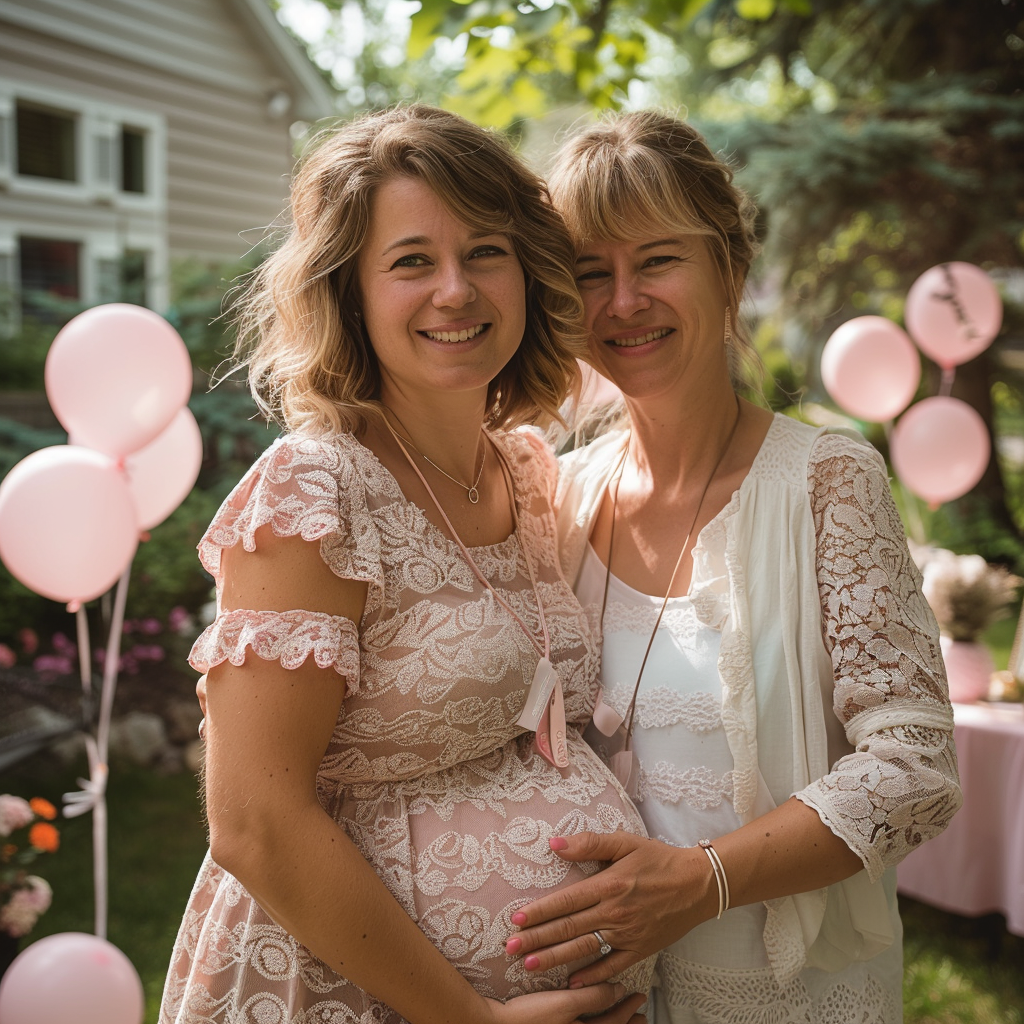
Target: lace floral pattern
{"x": 900, "y": 787}
{"x": 286, "y": 637}
{"x": 806, "y": 570}
{"x": 719, "y": 996}
{"x": 426, "y": 771}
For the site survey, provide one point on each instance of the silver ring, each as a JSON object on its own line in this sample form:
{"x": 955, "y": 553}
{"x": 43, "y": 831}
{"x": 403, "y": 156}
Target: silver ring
{"x": 605, "y": 946}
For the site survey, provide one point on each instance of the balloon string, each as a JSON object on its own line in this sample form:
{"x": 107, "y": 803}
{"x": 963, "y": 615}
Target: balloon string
{"x": 110, "y": 665}
{"x": 946, "y": 384}
{"x": 84, "y": 667}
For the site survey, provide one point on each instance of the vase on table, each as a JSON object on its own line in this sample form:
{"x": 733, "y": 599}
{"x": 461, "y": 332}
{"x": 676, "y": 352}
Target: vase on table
{"x": 969, "y": 668}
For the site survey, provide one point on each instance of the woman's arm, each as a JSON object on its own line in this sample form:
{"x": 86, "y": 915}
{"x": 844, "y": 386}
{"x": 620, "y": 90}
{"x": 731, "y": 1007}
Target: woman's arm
{"x": 898, "y": 787}
{"x": 653, "y": 894}
{"x": 266, "y": 731}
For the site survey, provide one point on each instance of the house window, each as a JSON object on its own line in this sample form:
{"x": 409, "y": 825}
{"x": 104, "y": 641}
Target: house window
{"x": 133, "y": 276}
{"x": 50, "y": 279}
{"x": 46, "y": 143}
{"x": 133, "y": 160}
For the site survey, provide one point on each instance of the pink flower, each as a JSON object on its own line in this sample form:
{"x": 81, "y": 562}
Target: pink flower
{"x": 147, "y": 652}
{"x": 63, "y": 646}
{"x": 40, "y": 893}
{"x": 14, "y": 813}
{"x": 29, "y": 640}
{"x": 22, "y": 910}
{"x": 56, "y": 663}
{"x": 178, "y": 619}
{"x": 150, "y": 626}
{"x": 7, "y": 656}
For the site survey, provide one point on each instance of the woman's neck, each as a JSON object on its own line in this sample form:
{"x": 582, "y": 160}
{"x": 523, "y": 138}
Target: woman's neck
{"x": 679, "y": 436}
{"x": 444, "y": 427}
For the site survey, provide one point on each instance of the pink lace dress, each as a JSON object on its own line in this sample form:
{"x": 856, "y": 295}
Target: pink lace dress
{"x": 426, "y": 771}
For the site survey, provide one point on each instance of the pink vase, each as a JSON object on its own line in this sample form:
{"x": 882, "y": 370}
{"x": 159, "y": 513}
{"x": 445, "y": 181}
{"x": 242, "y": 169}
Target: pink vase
{"x": 969, "y": 669}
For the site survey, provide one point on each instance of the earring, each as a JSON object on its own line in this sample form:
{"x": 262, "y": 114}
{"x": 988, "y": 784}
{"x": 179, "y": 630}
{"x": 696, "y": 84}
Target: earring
{"x": 728, "y": 325}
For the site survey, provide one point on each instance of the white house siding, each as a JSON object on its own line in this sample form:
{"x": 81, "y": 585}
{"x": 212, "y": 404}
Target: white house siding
{"x": 205, "y": 71}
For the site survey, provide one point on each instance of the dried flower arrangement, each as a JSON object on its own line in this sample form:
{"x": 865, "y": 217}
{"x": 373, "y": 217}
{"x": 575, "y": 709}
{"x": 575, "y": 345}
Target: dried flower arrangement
{"x": 966, "y": 593}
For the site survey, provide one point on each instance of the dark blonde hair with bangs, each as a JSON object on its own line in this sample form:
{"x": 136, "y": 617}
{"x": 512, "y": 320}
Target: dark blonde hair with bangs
{"x": 300, "y": 330}
{"x": 631, "y": 176}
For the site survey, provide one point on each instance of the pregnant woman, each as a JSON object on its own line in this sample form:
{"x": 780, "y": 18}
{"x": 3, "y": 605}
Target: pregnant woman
{"x": 398, "y": 671}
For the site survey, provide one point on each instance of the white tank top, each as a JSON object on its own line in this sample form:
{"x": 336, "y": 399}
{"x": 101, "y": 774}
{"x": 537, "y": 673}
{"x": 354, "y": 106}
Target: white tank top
{"x": 686, "y": 790}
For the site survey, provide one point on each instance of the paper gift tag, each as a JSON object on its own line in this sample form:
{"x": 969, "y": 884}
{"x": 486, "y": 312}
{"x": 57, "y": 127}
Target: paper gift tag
{"x": 606, "y": 719}
{"x": 544, "y": 680}
{"x": 551, "y": 731}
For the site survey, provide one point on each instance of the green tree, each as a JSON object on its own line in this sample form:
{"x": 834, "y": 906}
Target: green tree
{"x": 880, "y": 137}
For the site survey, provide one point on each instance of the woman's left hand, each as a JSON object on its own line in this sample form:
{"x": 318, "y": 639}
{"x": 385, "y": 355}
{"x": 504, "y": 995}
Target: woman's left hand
{"x": 650, "y": 895}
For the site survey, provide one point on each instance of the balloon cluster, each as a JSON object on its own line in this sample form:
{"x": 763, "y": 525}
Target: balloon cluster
{"x": 117, "y": 377}
{"x": 870, "y": 368}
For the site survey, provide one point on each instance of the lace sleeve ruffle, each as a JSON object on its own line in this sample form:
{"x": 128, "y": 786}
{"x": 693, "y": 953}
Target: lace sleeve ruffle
{"x": 285, "y": 637}
{"x": 900, "y": 786}
{"x": 309, "y": 488}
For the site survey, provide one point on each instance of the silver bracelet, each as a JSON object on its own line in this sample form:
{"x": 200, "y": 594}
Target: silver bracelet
{"x": 719, "y": 870}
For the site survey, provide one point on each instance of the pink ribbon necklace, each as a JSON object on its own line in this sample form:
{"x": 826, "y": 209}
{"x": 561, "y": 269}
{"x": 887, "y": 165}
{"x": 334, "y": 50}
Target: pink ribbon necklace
{"x": 544, "y": 712}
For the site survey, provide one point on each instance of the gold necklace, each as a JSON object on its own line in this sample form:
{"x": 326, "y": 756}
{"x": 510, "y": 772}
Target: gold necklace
{"x": 471, "y": 490}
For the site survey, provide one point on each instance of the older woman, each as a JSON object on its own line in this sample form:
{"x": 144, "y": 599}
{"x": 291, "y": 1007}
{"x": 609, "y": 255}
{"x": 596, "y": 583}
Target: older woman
{"x": 398, "y": 668}
{"x": 773, "y": 689}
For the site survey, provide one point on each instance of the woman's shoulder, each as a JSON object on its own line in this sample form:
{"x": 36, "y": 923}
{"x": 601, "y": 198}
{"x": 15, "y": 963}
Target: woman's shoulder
{"x": 796, "y": 452}
{"x": 301, "y": 486}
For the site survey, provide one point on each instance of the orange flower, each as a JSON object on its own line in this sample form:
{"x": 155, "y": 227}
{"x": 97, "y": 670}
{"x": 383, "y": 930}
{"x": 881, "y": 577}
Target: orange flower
{"x": 43, "y": 808}
{"x": 44, "y": 837}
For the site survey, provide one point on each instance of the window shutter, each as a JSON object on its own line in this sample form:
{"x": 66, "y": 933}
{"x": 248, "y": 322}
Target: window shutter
{"x": 103, "y": 169}
{"x": 6, "y": 138}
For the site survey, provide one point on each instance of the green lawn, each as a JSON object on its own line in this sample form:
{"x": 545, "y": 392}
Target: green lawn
{"x": 958, "y": 971}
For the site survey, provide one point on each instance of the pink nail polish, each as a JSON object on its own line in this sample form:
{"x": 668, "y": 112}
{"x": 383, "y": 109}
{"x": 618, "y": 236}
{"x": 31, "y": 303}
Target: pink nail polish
{"x": 513, "y": 944}
{"x": 519, "y": 918}
{"x": 557, "y": 843}
{"x": 575, "y": 984}
{"x": 531, "y": 963}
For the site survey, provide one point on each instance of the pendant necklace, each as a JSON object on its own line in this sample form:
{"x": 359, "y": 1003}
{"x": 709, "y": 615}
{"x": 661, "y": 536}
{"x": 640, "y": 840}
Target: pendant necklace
{"x": 625, "y": 765}
{"x": 544, "y": 711}
{"x": 472, "y": 491}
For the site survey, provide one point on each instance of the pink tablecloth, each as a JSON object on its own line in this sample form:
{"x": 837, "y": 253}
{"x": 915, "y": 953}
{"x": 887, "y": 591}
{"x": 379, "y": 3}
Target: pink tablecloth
{"x": 977, "y": 865}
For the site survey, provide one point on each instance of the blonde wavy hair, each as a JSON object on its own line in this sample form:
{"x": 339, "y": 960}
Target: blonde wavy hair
{"x": 643, "y": 173}
{"x": 311, "y": 366}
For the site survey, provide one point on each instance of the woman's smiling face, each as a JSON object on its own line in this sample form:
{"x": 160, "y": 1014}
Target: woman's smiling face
{"x": 444, "y": 305}
{"x": 655, "y": 309}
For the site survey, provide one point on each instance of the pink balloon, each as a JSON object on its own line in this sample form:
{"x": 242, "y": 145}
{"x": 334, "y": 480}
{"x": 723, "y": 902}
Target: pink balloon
{"x": 940, "y": 448}
{"x": 161, "y": 474}
{"x": 870, "y": 368}
{"x": 67, "y": 523}
{"x": 953, "y": 312}
{"x": 116, "y": 375}
{"x": 71, "y": 976}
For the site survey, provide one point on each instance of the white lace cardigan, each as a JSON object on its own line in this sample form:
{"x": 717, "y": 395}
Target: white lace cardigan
{"x": 808, "y": 577}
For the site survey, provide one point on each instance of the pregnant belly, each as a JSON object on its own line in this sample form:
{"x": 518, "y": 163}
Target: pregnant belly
{"x": 464, "y": 849}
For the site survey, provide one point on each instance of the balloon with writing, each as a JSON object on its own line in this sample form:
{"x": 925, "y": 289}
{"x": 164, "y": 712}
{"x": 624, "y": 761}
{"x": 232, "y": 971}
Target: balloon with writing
{"x": 953, "y": 312}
